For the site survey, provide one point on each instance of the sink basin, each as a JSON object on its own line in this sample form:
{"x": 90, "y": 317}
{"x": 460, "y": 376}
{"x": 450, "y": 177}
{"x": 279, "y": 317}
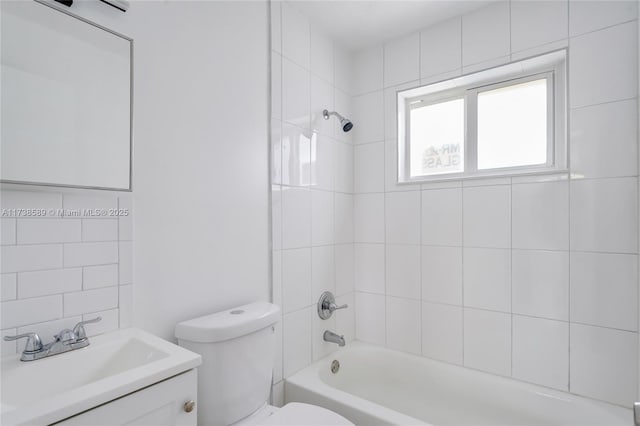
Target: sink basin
{"x": 113, "y": 365}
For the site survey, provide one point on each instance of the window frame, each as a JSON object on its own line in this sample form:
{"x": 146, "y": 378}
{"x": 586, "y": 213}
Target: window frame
{"x": 550, "y": 66}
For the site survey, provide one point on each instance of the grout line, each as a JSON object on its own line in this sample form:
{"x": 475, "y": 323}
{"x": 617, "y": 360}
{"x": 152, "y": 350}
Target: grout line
{"x": 384, "y": 217}
{"x": 461, "y": 43}
{"x": 510, "y": 30}
{"x": 119, "y": 261}
{"x": 462, "y": 309}
{"x": 570, "y": 109}
{"x": 629, "y": 21}
{"x": 421, "y": 272}
{"x": 511, "y": 266}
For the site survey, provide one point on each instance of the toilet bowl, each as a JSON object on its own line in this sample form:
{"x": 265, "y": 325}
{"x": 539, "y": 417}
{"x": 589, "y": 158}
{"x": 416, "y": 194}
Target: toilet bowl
{"x": 234, "y": 381}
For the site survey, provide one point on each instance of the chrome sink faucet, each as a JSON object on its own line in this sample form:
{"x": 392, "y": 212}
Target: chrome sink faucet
{"x": 65, "y": 341}
{"x": 331, "y": 337}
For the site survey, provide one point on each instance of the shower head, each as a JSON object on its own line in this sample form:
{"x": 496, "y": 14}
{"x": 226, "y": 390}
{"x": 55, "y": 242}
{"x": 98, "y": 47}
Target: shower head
{"x": 345, "y": 123}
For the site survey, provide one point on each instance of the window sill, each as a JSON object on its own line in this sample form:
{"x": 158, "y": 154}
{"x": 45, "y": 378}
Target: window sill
{"x": 533, "y": 176}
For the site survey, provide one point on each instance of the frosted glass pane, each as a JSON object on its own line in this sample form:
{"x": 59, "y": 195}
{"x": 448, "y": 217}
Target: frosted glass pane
{"x": 437, "y": 138}
{"x": 512, "y": 126}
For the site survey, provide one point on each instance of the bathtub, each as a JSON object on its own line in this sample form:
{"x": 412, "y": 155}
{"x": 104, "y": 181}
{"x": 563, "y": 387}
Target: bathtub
{"x": 378, "y": 386}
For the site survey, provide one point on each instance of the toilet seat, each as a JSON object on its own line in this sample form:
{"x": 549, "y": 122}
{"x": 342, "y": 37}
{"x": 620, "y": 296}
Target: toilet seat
{"x": 299, "y": 414}
{"x": 295, "y": 414}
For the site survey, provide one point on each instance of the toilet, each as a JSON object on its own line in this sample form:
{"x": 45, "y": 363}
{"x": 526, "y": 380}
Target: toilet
{"x": 234, "y": 381}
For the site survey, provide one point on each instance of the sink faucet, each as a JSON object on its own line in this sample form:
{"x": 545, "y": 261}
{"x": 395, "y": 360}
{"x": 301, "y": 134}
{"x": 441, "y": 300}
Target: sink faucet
{"x": 65, "y": 341}
{"x": 330, "y": 336}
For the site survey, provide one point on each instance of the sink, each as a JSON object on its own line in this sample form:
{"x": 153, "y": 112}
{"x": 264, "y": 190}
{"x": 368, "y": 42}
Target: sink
{"x": 113, "y": 365}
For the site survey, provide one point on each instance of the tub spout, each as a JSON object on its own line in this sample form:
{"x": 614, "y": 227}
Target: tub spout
{"x": 330, "y": 336}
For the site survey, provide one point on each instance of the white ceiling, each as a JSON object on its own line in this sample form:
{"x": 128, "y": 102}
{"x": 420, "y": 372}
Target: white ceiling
{"x": 359, "y": 23}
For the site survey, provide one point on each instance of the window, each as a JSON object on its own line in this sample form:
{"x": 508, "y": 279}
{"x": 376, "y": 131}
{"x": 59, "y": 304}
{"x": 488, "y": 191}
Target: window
{"x": 508, "y": 120}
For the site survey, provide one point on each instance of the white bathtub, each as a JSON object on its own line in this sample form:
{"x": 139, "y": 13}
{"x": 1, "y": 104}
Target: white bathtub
{"x": 378, "y": 386}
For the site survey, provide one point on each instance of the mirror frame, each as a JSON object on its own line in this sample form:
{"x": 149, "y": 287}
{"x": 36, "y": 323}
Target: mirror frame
{"x": 57, "y": 7}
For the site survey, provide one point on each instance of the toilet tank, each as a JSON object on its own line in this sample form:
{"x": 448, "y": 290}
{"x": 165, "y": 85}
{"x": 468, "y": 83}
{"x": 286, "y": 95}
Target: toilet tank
{"x": 238, "y": 349}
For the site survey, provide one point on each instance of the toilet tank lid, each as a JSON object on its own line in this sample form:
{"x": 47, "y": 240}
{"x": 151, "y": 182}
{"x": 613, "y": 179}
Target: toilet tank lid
{"x": 229, "y": 324}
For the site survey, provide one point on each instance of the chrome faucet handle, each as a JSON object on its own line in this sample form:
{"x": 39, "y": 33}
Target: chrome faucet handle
{"x": 327, "y": 305}
{"x": 34, "y": 344}
{"x": 79, "y": 331}
{"x": 334, "y": 307}
{"x": 65, "y": 336}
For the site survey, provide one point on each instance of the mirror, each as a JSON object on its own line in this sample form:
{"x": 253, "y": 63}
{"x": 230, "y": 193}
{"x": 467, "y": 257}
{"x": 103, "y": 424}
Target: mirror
{"x": 66, "y": 100}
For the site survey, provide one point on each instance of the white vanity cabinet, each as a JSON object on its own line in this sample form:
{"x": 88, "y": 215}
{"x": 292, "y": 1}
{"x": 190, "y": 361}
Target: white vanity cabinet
{"x": 166, "y": 403}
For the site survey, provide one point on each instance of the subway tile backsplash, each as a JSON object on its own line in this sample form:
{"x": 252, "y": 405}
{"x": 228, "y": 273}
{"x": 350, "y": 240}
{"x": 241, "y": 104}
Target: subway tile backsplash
{"x": 59, "y": 270}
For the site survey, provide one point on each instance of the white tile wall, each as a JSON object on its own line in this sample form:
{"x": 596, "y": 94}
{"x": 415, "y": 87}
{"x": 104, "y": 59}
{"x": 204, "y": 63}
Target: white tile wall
{"x": 296, "y": 94}
{"x": 56, "y": 270}
{"x": 604, "y": 363}
{"x": 442, "y": 277}
{"x": 9, "y": 289}
{"x": 603, "y": 140}
{"x": 88, "y": 301}
{"x": 369, "y": 67}
{"x": 322, "y": 168}
{"x": 369, "y": 116}
{"x": 540, "y": 215}
{"x": 369, "y": 223}
{"x": 371, "y": 318}
{"x": 85, "y": 254}
{"x": 402, "y": 217}
{"x": 43, "y": 231}
{"x": 514, "y": 274}
{"x": 403, "y": 271}
{"x": 41, "y": 283}
{"x": 403, "y": 324}
{"x": 296, "y": 35}
{"x": 540, "y": 283}
{"x": 592, "y": 78}
{"x": 322, "y": 217}
{"x": 442, "y": 332}
{"x": 368, "y": 166}
{"x": 369, "y": 268}
{"x": 312, "y": 188}
{"x": 31, "y": 257}
{"x": 442, "y": 217}
{"x": 534, "y": 23}
{"x": 487, "y": 216}
{"x": 322, "y": 97}
{"x": 440, "y": 47}
{"x": 296, "y": 279}
{"x": 485, "y": 34}
{"x": 100, "y": 276}
{"x": 296, "y": 340}
{"x": 487, "y": 278}
{"x": 487, "y": 341}
{"x": 402, "y": 60}
{"x": 604, "y": 215}
{"x": 323, "y": 270}
{"x": 541, "y": 351}
{"x": 604, "y": 290}
{"x": 590, "y": 16}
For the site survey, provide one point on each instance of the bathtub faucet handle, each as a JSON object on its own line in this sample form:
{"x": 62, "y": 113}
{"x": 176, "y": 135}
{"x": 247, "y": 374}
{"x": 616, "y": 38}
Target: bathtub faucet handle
{"x": 327, "y": 305}
{"x": 334, "y": 307}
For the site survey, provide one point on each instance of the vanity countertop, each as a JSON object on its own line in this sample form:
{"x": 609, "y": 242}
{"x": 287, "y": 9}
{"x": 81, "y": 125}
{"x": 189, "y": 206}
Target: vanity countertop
{"x": 113, "y": 365}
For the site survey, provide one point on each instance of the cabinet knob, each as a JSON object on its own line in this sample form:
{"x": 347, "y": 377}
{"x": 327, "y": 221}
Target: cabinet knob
{"x": 189, "y": 406}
